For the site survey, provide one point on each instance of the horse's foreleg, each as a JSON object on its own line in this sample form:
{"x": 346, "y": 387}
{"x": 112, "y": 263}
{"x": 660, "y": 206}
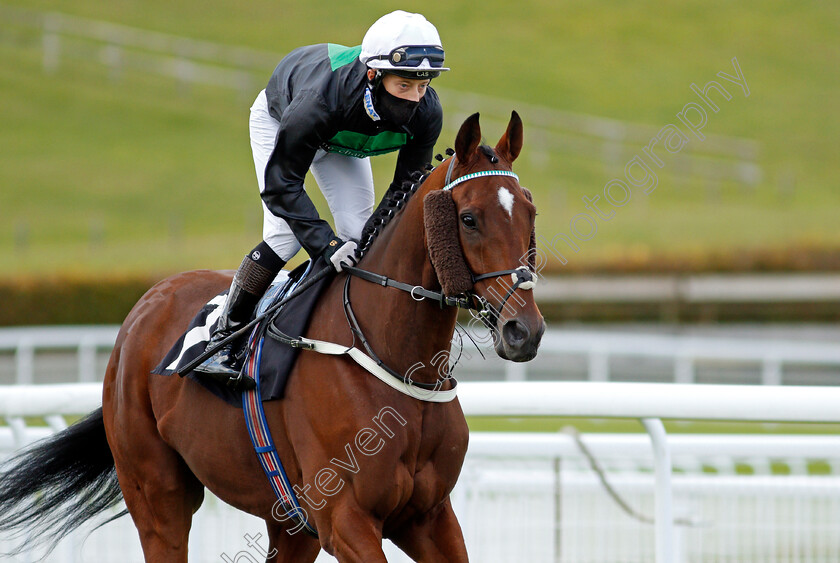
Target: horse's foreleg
{"x": 435, "y": 538}
{"x": 354, "y": 537}
{"x": 290, "y": 548}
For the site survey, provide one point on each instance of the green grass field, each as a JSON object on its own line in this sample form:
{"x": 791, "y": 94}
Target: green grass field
{"x": 621, "y": 425}
{"x": 611, "y": 425}
{"x": 631, "y": 426}
{"x": 138, "y": 176}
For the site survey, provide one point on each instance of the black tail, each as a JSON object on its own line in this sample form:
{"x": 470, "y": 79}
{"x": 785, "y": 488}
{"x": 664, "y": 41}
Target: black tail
{"x": 57, "y": 484}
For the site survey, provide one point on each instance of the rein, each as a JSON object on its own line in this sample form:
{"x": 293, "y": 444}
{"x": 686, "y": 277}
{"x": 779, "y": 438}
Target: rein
{"x": 418, "y": 292}
{"x": 357, "y": 330}
{"x": 430, "y": 392}
{"x": 522, "y": 278}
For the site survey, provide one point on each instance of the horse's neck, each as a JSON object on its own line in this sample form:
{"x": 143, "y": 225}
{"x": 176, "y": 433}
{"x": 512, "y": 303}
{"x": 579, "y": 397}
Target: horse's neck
{"x": 401, "y": 330}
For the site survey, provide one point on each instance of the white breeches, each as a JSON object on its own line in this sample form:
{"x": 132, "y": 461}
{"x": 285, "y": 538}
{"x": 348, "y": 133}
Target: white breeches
{"x": 346, "y": 182}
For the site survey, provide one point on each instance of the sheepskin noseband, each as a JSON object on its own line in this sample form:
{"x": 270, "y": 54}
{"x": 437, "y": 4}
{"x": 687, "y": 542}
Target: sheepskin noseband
{"x": 440, "y": 217}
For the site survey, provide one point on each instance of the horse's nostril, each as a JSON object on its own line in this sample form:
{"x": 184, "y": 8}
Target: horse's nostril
{"x": 515, "y": 332}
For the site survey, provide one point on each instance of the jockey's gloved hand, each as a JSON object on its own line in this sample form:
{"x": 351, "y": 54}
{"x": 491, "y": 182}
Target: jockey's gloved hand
{"x": 340, "y": 253}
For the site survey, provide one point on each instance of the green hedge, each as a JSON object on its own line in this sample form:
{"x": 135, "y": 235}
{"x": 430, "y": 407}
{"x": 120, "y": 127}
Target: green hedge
{"x": 107, "y": 300}
{"x": 70, "y": 301}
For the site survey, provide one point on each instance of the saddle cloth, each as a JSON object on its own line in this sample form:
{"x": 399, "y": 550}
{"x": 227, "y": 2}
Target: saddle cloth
{"x": 277, "y": 359}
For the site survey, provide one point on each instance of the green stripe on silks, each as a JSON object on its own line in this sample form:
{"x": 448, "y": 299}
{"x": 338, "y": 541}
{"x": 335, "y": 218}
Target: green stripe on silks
{"x": 359, "y": 145}
{"x": 341, "y": 56}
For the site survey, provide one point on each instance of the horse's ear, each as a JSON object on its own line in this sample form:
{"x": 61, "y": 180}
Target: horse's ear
{"x": 468, "y": 138}
{"x": 510, "y": 144}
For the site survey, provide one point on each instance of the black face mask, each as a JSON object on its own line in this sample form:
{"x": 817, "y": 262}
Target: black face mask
{"x": 393, "y": 109}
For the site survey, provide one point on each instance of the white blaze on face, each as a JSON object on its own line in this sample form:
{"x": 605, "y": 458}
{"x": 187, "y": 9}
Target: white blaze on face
{"x": 506, "y": 201}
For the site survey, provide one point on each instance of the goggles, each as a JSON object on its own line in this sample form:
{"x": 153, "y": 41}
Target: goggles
{"x": 413, "y": 55}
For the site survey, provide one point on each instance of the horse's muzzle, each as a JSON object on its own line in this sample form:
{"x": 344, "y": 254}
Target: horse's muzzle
{"x": 518, "y": 342}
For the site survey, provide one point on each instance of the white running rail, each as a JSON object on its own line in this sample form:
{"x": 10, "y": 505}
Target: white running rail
{"x": 21, "y": 349}
{"x": 645, "y": 401}
{"x": 86, "y": 342}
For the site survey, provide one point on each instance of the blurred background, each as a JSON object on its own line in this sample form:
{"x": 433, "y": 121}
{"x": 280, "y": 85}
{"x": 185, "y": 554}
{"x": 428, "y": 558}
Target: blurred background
{"x": 124, "y": 158}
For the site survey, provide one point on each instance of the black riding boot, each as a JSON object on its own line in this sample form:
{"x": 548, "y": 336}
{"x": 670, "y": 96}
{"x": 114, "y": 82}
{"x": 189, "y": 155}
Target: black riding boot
{"x": 249, "y": 284}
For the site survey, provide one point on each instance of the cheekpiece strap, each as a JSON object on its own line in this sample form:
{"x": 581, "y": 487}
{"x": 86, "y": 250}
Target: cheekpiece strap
{"x": 449, "y": 170}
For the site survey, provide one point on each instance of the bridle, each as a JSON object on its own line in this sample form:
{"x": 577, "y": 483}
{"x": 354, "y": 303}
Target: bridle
{"x": 522, "y": 278}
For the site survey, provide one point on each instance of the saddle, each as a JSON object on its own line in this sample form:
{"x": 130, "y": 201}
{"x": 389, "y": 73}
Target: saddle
{"x": 275, "y": 358}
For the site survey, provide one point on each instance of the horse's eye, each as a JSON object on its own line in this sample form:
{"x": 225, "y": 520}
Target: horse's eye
{"x": 468, "y": 220}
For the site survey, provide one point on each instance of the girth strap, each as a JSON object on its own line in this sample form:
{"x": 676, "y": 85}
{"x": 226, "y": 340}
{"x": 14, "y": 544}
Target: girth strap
{"x": 265, "y": 448}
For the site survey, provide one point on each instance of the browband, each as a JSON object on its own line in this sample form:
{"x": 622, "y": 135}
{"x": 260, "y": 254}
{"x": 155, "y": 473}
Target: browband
{"x": 449, "y": 185}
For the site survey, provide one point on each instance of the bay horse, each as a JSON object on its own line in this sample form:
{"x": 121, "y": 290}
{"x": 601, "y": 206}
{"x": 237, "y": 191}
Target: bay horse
{"x": 158, "y": 442}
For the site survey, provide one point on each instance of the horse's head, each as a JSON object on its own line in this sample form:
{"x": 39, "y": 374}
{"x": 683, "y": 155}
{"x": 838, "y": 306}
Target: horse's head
{"x": 479, "y": 234}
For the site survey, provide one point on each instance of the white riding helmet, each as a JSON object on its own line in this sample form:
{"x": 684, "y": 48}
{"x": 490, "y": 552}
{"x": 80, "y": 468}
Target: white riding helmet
{"x": 405, "y": 44}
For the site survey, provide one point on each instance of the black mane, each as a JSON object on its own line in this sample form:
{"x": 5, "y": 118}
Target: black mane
{"x": 392, "y": 202}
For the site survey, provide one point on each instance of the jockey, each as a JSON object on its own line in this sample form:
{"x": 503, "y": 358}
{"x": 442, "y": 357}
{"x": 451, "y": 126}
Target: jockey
{"x": 328, "y": 109}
